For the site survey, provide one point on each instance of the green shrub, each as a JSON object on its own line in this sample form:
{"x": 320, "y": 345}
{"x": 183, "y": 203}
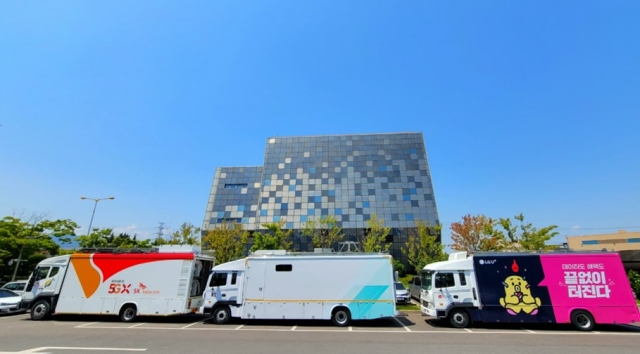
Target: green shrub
{"x": 634, "y": 280}
{"x": 399, "y": 267}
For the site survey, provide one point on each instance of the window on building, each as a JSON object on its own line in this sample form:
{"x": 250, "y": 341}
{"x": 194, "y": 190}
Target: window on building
{"x": 235, "y": 185}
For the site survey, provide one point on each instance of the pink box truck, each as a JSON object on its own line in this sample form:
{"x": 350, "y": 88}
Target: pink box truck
{"x": 583, "y": 289}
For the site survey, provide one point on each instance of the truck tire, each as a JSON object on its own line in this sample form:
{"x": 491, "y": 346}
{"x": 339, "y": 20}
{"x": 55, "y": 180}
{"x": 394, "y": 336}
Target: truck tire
{"x": 582, "y": 320}
{"x": 40, "y": 310}
{"x": 221, "y": 315}
{"x": 341, "y": 317}
{"x": 128, "y": 313}
{"x": 459, "y": 318}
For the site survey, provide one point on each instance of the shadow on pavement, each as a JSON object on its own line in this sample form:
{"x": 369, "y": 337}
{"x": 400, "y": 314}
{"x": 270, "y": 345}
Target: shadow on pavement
{"x": 539, "y": 327}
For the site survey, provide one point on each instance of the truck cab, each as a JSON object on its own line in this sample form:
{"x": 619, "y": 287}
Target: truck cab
{"x": 222, "y": 296}
{"x": 45, "y": 281}
{"x": 449, "y": 290}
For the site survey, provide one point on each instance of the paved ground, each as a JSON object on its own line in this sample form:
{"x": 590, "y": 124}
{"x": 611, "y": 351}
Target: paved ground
{"x": 407, "y": 333}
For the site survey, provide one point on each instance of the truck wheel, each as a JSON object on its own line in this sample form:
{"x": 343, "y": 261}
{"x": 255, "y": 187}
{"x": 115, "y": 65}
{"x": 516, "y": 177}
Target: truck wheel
{"x": 221, "y": 315}
{"x": 40, "y": 310}
{"x": 459, "y": 318}
{"x": 582, "y": 320}
{"x": 128, "y": 313}
{"x": 341, "y": 317}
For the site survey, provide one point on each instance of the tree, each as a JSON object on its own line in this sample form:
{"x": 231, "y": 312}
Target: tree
{"x": 186, "y": 235}
{"x": 525, "y": 236}
{"x": 104, "y": 238}
{"x": 325, "y": 233}
{"x": 375, "y": 240}
{"x": 476, "y": 233}
{"x": 228, "y": 242}
{"x": 275, "y": 238}
{"x": 422, "y": 247}
{"x": 98, "y": 238}
{"x": 634, "y": 281}
{"x": 20, "y": 240}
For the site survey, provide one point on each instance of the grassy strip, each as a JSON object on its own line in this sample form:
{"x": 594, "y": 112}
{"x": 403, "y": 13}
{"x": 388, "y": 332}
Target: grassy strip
{"x": 408, "y": 307}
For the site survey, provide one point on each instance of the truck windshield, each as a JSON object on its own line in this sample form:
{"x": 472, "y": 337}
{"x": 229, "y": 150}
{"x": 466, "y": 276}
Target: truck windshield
{"x": 427, "y": 279}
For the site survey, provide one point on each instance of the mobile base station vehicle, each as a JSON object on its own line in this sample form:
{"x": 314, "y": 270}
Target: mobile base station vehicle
{"x": 558, "y": 287}
{"x": 163, "y": 281}
{"x": 313, "y": 286}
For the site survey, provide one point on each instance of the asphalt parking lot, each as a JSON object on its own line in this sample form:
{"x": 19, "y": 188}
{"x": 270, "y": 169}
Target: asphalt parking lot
{"x": 406, "y": 322}
{"x": 410, "y": 332}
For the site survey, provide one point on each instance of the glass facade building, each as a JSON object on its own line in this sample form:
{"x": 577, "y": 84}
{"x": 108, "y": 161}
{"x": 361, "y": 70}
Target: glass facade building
{"x": 348, "y": 176}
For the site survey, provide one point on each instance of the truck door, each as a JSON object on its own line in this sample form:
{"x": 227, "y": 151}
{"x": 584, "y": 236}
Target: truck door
{"x": 43, "y": 280}
{"x": 442, "y": 294}
{"x": 229, "y": 290}
{"x": 218, "y": 285}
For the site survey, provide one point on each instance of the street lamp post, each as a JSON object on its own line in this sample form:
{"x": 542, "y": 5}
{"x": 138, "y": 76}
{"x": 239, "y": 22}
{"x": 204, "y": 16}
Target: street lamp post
{"x": 96, "y": 200}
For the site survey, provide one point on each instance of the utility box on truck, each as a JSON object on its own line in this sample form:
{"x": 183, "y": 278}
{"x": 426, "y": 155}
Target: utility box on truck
{"x": 560, "y": 287}
{"x": 321, "y": 286}
{"x": 163, "y": 281}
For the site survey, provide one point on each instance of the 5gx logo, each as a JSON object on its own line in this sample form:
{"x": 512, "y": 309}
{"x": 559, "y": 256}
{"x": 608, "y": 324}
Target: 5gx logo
{"x": 116, "y": 288}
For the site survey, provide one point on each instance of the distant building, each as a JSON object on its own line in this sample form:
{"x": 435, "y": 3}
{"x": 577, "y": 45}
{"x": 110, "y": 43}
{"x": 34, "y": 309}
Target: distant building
{"x": 626, "y": 243}
{"x": 348, "y": 176}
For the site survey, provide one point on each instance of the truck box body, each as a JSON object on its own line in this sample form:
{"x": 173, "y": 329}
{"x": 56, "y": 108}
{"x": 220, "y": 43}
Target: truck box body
{"x": 303, "y": 286}
{"x": 167, "y": 282}
{"x": 531, "y": 288}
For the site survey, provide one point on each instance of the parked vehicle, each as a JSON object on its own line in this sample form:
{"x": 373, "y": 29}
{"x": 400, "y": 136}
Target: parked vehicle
{"x": 15, "y": 286}
{"x": 402, "y": 294}
{"x": 578, "y": 288}
{"x": 281, "y": 285}
{"x": 168, "y": 280}
{"x": 415, "y": 286}
{"x": 9, "y": 301}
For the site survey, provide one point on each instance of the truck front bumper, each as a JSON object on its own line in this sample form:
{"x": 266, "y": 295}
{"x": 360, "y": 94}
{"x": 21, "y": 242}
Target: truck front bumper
{"x": 428, "y": 312}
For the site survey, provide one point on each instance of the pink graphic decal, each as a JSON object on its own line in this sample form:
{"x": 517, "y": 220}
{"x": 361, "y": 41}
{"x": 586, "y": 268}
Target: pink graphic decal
{"x": 595, "y": 282}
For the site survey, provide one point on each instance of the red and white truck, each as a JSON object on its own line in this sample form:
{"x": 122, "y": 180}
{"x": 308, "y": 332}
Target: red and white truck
{"x": 163, "y": 281}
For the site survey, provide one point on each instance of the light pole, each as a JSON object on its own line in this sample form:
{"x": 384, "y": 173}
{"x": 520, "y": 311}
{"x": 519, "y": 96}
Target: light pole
{"x": 94, "y": 209}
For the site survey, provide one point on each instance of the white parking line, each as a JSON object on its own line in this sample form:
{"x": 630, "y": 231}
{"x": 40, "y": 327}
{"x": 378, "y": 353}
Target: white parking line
{"x": 402, "y": 324}
{"x": 294, "y": 327}
{"x": 528, "y": 330}
{"x": 136, "y": 325}
{"x": 213, "y": 328}
{"x": 87, "y": 324}
{"x": 468, "y": 330}
{"x": 350, "y": 329}
{"x": 36, "y": 350}
{"x": 190, "y": 324}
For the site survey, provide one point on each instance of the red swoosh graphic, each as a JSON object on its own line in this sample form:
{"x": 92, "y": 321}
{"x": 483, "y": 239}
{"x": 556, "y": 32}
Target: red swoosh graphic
{"x": 109, "y": 264}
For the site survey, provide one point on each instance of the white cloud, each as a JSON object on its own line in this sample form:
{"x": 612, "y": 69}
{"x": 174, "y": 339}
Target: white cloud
{"x": 575, "y": 227}
{"x": 133, "y": 230}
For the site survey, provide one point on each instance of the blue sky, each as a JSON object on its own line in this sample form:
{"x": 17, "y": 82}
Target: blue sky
{"x": 526, "y": 106}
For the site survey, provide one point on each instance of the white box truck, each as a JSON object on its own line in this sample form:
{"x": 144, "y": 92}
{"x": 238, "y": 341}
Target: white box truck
{"x": 320, "y": 286}
{"x": 163, "y": 281}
